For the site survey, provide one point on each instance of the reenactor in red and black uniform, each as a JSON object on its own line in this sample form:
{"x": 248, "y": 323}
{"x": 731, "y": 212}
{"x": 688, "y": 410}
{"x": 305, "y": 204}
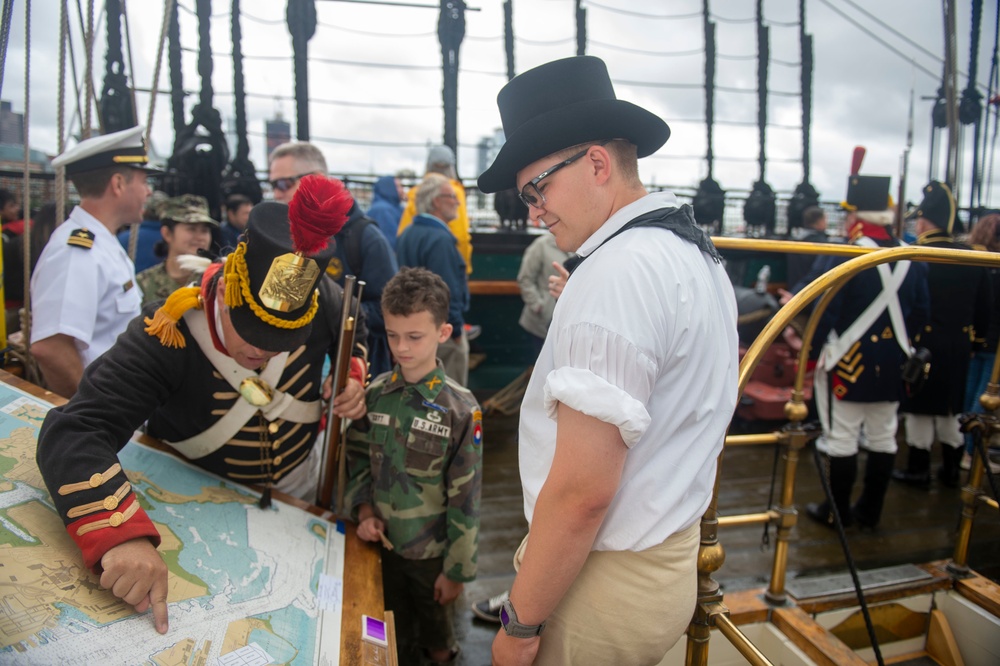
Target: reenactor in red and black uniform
{"x": 229, "y": 374}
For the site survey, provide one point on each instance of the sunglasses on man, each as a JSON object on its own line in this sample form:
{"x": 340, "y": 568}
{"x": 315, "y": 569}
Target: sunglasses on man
{"x": 285, "y": 184}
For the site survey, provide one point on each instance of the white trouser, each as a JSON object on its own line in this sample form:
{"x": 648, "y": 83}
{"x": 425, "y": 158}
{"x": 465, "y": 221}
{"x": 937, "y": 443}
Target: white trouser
{"x": 922, "y": 430}
{"x": 841, "y": 436}
{"x": 303, "y": 481}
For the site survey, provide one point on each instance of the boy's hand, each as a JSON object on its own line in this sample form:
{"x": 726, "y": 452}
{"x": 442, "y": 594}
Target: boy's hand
{"x": 350, "y": 404}
{"x": 446, "y": 590}
{"x": 136, "y": 574}
{"x": 370, "y": 528}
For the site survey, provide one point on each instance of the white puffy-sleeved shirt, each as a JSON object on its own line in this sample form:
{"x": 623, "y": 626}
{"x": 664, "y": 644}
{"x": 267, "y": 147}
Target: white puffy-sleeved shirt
{"x": 643, "y": 337}
{"x": 89, "y": 294}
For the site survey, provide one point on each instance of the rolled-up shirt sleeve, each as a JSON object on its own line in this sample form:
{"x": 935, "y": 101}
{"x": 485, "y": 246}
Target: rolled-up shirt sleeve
{"x": 602, "y": 374}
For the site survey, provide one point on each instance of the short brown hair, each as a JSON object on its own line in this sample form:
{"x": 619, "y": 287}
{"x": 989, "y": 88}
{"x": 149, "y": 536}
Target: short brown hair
{"x": 812, "y": 215}
{"x": 414, "y": 290}
{"x": 92, "y": 184}
{"x": 986, "y": 233}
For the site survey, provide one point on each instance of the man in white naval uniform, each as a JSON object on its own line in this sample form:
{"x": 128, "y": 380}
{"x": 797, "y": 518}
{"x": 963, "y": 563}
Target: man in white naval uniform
{"x": 83, "y": 290}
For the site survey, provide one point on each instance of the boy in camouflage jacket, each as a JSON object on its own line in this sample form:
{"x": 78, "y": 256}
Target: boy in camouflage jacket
{"x": 415, "y": 471}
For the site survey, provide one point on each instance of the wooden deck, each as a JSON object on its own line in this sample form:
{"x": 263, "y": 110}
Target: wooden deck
{"x": 917, "y": 527}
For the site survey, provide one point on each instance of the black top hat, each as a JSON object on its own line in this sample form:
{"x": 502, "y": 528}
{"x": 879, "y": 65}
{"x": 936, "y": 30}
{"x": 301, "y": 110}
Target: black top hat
{"x": 867, "y": 193}
{"x": 561, "y": 104}
{"x": 271, "y": 277}
{"x": 938, "y": 207}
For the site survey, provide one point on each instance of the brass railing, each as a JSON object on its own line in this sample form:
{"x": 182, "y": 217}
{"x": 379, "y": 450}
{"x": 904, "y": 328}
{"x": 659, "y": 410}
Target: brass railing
{"x": 710, "y": 610}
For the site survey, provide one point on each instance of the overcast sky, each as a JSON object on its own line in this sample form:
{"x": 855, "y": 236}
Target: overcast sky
{"x": 864, "y": 72}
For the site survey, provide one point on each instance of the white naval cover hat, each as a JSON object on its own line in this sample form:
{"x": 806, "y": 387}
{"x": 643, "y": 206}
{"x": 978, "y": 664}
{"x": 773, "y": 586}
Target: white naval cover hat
{"x": 124, "y": 148}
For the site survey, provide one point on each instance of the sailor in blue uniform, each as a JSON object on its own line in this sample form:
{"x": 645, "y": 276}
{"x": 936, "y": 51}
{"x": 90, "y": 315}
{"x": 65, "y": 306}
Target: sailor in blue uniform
{"x": 961, "y": 303}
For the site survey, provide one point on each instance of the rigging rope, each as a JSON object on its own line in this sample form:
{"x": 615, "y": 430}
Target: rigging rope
{"x": 709, "y": 202}
{"x": 805, "y": 195}
{"x": 116, "y": 104}
{"x": 176, "y": 71}
{"x": 61, "y": 111}
{"x": 240, "y": 176}
{"x": 451, "y": 31}
{"x": 155, "y": 90}
{"x": 806, "y": 78}
{"x": 508, "y": 36}
{"x": 200, "y": 149}
{"x": 31, "y": 369}
{"x": 88, "y": 71}
{"x": 970, "y": 108}
{"x": 8, "y": 8}
{"x": 761, "y": 204}
{"x": 301, "y": 18}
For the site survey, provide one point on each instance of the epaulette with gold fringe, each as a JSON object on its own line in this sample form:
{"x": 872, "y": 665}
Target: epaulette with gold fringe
{"x": 81, "y": 238}
{"x": 163, "y": 324}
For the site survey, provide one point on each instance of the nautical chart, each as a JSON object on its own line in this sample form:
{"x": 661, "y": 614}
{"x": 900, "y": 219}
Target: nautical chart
{"x": 247, "y": 586}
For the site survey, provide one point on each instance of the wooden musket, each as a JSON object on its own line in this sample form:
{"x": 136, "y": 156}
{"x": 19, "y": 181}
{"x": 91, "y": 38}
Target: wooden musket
{"x": 332, "y": 439}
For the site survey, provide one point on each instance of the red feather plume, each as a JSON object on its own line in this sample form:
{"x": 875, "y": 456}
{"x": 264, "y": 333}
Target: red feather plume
{"x": 317, "y": 212}
{"x": 856, "y": 159}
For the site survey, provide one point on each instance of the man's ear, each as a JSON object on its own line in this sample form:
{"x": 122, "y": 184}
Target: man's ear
{"x": 117, "y": 184}
{"x": 599, "y": 161}
{"x": 445, "y": 333}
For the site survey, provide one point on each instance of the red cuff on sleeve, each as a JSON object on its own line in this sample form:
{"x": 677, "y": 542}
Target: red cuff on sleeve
{"x": 359, "y": 370}
{"x": 94, "y": 544}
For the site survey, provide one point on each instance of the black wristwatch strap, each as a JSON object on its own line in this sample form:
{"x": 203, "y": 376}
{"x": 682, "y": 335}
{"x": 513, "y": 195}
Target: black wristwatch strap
{"x": 508, "y": 618}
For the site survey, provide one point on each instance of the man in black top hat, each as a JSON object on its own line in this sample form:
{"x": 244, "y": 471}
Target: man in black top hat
{"x": 961, "y": 301}
{"x": 229, "y": 374}
{"x": 628, "y": 404}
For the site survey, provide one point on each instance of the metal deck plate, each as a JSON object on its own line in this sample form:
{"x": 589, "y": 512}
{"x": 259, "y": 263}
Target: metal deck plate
{"x": 821, "y": 586}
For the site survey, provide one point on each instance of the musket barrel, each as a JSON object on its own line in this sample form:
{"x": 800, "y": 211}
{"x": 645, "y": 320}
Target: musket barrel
{"x": 324, "y": 495}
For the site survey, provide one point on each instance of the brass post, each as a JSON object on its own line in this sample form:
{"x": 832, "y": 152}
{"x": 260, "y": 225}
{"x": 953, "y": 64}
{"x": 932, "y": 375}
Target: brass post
{"x": 794, "y": 440}
{"x": 710, "y": 558}
{"x": 972, "y": 493}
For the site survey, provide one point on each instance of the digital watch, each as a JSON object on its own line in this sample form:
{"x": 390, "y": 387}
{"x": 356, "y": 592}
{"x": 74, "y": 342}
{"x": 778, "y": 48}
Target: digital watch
{"x": 508, "y": 618}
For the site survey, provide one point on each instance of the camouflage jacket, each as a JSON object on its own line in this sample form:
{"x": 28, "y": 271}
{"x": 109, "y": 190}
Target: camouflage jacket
{"x": 419, "y": 465}
{"x": 157, "y": 284}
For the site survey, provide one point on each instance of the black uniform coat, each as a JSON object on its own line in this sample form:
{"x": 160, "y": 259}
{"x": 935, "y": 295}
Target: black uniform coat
{"x": 961, "y": 303}
{"x": 181, "y": 394}
{"x": 871, "y": 370}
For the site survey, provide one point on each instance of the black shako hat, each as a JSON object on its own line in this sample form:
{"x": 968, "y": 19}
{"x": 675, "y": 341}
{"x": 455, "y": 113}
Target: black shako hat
{"x": 561, "y": 104}
{"x": 276, "y": 293}
{"x": 938, "y": 207}
{"x": 867, "y": 193}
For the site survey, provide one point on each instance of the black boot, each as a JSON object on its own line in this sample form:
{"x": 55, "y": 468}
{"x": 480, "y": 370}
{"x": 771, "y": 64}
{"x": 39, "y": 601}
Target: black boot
{"x": 951, "y": 459}
{"x": 843, "y": 471}
{"x": 878, "y": 469}
{"x": 918, "y": 469}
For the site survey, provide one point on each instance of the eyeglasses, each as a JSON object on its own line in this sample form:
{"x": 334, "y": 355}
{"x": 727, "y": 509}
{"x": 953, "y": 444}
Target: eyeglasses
{"x": 530, "y": 195}
{"x": 285, "y": 184}
{"x": 448, "y": 195}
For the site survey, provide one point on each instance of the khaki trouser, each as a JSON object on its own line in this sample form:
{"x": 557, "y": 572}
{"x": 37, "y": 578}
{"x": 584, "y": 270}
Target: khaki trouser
{"x": 624, "y": 607}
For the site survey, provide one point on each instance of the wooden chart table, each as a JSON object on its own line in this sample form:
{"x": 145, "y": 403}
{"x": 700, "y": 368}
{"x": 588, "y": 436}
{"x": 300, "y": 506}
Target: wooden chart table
{"x": 22, "y": 625}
